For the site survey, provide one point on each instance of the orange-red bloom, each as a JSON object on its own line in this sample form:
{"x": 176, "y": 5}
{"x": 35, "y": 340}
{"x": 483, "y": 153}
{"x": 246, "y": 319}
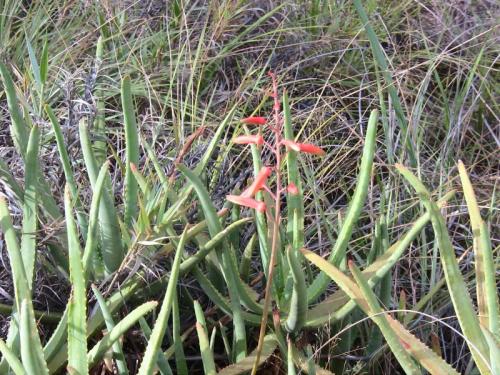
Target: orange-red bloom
{"x": 249, "y": 139}
{"x": 259, "y": 182}
{"x": 247, "y": 202}
{"x": 254, "y": 120}
{"x": 292, "y": 189}
{"x": 303, "y": 147}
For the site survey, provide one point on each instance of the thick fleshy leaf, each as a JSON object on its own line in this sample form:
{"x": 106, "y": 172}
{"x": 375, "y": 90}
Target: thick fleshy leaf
{"x": 486, "y": 288}
{"x": 269, "y": 346}
{"x": 399, "y": 339}
{"x": 457, "y": 287}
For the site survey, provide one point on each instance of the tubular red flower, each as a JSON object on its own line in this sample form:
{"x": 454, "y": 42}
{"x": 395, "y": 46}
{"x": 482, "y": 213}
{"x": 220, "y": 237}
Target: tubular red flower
{"x": 292, "y": 189}
{"x": 259, "y": 182}
{"x": 254, "y": 120}
{"x": 247, "y": 202}
{"x": 307, "y": 148}
{"x": 249, "y": 139}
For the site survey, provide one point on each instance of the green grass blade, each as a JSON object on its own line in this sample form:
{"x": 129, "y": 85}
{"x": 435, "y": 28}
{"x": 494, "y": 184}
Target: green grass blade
{"x": 384, "y": 67}
{"x": 456, "y": 284}
{"x": 356, "y": 205}
{"x": 156, "y": 338}
{"x": 205, "y": 350}
{"x": 486, "y": 289}
{"x": 77, "y": 310}
{"x": 30, "y": 219}
{"x": 121, "y": 364}
{"x": 99, "y": 349}
{"x": 131, "y": 150}
{"x": 214, "y": 143}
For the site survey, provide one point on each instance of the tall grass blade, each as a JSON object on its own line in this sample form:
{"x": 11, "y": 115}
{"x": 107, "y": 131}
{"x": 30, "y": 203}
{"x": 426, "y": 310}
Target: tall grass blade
{"x": 384, "y": 67}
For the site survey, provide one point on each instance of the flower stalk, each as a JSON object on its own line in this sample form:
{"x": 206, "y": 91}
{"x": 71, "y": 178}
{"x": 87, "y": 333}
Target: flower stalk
{"x": 275, "y": 145}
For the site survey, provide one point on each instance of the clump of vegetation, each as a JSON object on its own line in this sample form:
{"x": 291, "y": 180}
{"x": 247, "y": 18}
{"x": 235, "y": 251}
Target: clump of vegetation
{"x": 171, "y": 250}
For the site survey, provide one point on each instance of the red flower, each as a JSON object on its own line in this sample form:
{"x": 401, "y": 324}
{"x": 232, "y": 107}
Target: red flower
{"x": 308, "y": 148}
{"x": 247, "y": 202}
{"x": 254, "y": 120}
{"x": 249, "y": 139}
{"x": 292, "y": 189}
{"x": 259, "y": 182}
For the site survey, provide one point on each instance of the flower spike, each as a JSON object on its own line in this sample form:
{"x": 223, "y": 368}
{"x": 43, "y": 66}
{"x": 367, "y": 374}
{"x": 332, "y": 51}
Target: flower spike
{"x": 307, "y": 148}
{"x": 259, "y": 182}
{"x": 247, "y": 202}
{"x": 254, "y": 120}
{"x": 249, "y": 139}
